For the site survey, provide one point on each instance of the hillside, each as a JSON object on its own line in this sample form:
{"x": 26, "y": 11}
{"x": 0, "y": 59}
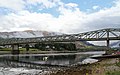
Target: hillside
{"x": 115, "y": 44}
{"x": 27, "y": 34}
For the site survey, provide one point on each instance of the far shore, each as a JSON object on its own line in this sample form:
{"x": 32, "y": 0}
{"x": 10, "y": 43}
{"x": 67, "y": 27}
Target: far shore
{"x": 42, "y": 52}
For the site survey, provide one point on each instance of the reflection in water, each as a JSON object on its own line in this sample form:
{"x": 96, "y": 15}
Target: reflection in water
{"x": 63, "y": 60}
{"x": 40, "y": 64}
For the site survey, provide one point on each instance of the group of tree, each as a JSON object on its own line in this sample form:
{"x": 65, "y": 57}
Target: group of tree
{"x": 55, "y": 46}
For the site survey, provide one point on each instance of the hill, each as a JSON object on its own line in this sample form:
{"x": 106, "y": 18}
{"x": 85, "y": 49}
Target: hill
{"x": 115, "y": 44}
{"x": 27, "y": 34}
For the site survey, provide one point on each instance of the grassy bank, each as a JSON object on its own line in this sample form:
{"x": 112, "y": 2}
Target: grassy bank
{"x": 22, "y": 50}
{"x": 32, "y": 51}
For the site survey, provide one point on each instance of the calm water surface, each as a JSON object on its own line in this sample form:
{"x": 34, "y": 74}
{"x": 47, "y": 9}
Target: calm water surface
{"x": 60, "y": 59}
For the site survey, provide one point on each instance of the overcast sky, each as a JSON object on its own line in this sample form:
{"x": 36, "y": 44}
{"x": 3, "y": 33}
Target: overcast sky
{"x": 66, "y": 16}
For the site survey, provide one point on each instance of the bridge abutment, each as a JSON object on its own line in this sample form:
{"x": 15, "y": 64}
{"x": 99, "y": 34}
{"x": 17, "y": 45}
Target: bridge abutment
{"x": 15, "y": 49}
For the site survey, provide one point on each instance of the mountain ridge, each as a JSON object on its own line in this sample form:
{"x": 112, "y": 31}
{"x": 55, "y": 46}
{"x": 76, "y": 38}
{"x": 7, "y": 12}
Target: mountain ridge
{"x": 115, "y": 44}
{"x": 27, "y": 34}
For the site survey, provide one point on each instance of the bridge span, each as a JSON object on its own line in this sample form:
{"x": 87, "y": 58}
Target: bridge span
{"x": 97, "y": 35}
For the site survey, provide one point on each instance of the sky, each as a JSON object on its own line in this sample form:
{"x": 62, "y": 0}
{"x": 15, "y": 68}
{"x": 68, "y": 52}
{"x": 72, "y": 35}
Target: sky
{"x": 65, "y": 16}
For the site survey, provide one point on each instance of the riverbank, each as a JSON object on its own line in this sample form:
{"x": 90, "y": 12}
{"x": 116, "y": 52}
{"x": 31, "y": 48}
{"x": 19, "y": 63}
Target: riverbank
{"x": 37, "y": 52}
{"x": 103, "y": 67}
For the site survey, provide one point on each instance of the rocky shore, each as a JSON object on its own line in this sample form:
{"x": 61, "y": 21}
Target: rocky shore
{"x": 103, "y": 67}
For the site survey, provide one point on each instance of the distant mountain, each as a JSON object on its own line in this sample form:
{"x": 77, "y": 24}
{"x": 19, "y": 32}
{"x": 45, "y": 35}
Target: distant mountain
{"x": 115, "y": 44}
{"x": 27, "y": 34}
{"x": 88, "y": 44}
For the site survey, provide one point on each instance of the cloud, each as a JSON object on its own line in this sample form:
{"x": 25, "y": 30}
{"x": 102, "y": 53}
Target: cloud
{"x": 105, "y": 18}
{"x": 44, "y": 3}
{"x": 19, "y": 5}
{"x": 71, "y": 5}
{"x": 12, "y": 4}
{"x": 70, "y": 20}
{"x": 95, "y": 7}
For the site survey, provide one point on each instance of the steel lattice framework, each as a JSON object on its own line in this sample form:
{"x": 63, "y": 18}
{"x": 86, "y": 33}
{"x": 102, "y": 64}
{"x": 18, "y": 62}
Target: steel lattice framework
{"x": 98, "y": 35}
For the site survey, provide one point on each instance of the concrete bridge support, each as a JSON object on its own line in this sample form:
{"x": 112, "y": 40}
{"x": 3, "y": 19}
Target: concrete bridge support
{"x": 15, "y": 49}
{"x": 27, "y": 47}
{"x": 108, "y": 43}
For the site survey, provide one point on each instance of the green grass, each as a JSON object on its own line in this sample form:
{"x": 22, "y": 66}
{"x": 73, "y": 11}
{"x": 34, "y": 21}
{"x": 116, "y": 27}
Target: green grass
{"x": 118, "y": 64}
{"x": 5, "y": 49}
{"x": 113, "y": 73}
{"x": 21, "y": 49}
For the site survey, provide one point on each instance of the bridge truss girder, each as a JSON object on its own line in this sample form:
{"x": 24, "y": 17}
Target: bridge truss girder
{"x": 98, "y": 35}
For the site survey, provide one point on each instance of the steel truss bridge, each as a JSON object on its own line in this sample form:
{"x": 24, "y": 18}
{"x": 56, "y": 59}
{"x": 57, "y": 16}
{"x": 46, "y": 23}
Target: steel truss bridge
{"x": 97, "y": 35}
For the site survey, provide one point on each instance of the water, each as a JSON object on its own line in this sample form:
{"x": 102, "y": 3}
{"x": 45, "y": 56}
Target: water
{"x": 36, "y": 63}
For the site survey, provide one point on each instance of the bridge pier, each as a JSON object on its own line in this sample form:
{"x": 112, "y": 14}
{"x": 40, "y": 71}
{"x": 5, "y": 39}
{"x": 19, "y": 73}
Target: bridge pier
{"x": 27, "y": 47}
{"x": 15, "y": 49}
{"x": 108, "y": 43}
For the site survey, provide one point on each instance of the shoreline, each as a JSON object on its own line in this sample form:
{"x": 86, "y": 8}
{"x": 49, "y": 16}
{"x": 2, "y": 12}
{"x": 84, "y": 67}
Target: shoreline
{"x": 103, "y": 67}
